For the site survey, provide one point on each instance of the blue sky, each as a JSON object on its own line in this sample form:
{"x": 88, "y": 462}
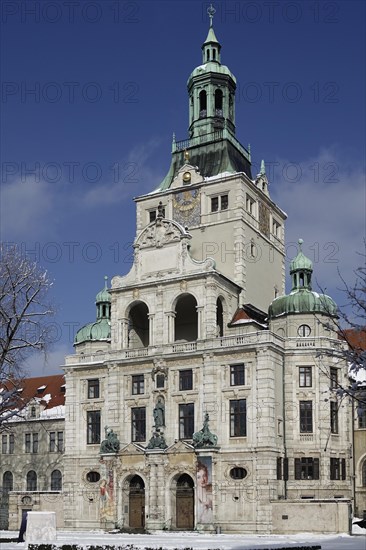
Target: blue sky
{"x": 109, "y": 89}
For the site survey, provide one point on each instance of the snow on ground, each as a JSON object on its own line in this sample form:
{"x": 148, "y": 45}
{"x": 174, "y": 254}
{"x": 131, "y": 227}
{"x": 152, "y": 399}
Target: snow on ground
{"x": 199, "y": 541}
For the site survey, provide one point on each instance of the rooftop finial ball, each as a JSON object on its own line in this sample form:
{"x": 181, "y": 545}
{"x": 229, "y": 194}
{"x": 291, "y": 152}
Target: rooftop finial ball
{"x": 301, "y": 241}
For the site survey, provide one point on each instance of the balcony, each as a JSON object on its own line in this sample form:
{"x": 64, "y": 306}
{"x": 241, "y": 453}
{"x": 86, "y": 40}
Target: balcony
{"x": 198, "y": 346}
{"x": 210, "y": 138}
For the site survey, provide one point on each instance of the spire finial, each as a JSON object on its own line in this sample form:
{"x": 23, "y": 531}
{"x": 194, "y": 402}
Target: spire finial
{"x": 263, "y": 168}
{"x": 211, "y": 12}
{"x": 105, "y": 282}
{"x": 300, "y": 241}
{"x": 186, "y": 155}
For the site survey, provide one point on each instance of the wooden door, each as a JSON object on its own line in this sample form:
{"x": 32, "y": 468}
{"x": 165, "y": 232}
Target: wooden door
{"x": 185, "y": 510}
{"x": 137, "y": 510}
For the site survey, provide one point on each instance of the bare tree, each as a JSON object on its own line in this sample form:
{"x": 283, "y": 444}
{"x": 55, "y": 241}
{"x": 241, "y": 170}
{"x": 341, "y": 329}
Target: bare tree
{"x": 24, "y": 313}
{"x": 351, "y": 328}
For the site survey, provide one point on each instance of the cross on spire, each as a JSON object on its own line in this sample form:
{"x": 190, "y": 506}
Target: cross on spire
{"x": 211, "y": 12}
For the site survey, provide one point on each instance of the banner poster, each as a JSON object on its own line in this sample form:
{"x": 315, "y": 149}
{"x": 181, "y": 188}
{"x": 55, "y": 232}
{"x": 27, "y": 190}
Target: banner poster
{"x": 106, "y": 496}
{"x": 204, "y": 489}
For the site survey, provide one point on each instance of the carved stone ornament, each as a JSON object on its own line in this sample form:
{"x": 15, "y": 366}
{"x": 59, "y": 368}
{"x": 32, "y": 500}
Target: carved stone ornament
{"x": 111, "y": 443}
{"x": 161, "y": 232}
{"x": 204, "y": 438}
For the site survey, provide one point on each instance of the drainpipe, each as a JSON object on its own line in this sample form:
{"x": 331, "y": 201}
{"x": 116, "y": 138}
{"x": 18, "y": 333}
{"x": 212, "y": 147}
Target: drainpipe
{"x": 353, "y": 459}
{"x": 284, "y": 424}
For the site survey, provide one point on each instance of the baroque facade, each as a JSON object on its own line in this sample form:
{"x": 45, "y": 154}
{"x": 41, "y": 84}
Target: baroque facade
{"x": 199, "y": 398}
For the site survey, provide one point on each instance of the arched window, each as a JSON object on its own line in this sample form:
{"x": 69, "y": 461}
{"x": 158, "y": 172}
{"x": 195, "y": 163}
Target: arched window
{"x": 56, "y": 480}
{"x": 208, "y": 55}
{"x": 218, "y": 103}
{"x": 7, "y": 482}
{"x": 219, "y": 318}
{"x": 214, "y": 54}
{"x": 31, "y": 481}
{"x": 138, "y": 329}
{"x": 186, "y": 319}
{"x": 203, "y": 104}
{"x": 364, "y": 474}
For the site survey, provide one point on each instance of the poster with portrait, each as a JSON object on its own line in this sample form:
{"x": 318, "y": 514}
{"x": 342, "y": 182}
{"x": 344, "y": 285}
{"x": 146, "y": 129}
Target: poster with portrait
{"x": 106, "y": 495}
{"x": 204, "y": 490}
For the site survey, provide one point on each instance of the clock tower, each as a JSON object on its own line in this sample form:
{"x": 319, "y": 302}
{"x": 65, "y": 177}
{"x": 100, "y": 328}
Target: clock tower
{"x": 209, "y": 188}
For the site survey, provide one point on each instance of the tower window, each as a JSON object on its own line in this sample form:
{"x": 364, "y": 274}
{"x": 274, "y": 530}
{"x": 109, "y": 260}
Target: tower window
{"x": 221, "y": 202}
{"x": 208, "y": 55}
{"x": 214, "y": 55}
{"x": 250, "y": 204}
{"x": 218, "y": 103}
{"x": 203, "y": 104}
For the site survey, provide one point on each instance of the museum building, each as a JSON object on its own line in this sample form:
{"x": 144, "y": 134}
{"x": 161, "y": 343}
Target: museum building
{"x": 203, "y": 396}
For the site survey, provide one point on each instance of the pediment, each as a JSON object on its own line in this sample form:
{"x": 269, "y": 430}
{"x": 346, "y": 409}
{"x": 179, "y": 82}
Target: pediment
{"x": 180, "y": 447}
{"x": 132, "y": 449}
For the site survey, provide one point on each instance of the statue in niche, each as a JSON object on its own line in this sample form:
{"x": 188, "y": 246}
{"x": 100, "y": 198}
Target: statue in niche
{"x": 159, "y": 414}
{"x": 111, "y": 443}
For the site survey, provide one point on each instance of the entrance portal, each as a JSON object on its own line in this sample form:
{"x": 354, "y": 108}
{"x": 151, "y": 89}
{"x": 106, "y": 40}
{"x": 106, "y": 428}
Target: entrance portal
{"x": 185, "y": 502}
{"x": 137, "y": 503}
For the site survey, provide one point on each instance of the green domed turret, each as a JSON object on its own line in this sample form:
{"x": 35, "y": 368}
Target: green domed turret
{"x": 301, "y": 298}
{"x": 101, "y": 328}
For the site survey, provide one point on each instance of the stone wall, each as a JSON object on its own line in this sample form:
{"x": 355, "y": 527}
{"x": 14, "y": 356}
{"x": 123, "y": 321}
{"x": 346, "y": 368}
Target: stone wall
{"x": 289, "y": 516}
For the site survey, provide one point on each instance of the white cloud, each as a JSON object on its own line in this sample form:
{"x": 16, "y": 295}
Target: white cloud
{"x": 39, "y": 364}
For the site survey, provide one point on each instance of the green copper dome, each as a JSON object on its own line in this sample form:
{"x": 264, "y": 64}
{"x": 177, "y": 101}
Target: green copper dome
{"x": 101, "y": 328}
{"x": 301, "y": 298}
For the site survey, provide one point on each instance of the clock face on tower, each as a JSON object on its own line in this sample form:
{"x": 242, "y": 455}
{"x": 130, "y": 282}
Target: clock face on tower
{"x": 187, "y": 207}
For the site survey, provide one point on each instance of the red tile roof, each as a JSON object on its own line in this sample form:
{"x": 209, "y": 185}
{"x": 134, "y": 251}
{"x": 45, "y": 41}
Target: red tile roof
{"x": 42, "y": 386}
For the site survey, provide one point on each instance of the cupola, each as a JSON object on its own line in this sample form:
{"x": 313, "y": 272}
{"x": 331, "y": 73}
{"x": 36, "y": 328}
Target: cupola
{"x": 100, "y": 330}
{"x": 302, "y": 299}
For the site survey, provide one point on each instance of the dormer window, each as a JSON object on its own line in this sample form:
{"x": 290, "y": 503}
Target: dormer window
{"x": 41, "y": 389}
{"x": 153, "y": 214}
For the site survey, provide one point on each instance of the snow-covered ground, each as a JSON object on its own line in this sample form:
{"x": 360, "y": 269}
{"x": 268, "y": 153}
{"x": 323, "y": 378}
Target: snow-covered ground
{"x": 171, "y": 540}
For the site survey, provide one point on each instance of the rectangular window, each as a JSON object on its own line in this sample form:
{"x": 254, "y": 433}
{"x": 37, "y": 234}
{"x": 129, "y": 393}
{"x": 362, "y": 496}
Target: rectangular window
{"x": 306, "y": 417}
{"x": 160, "y": 381}
{"x": 4, "y": 444}
{"x": 238, "y": 418}
{"x": 237, "y": 377}
{"x": 334, "y": 417}
{"x": 93, "y": 389}
{"x": 333, "y": 375}
{"x": 93, "y": 427}
{"x": 11, "y": 444}
{"x": 138, "y": 424}
{"x": 279, "y": 467}
{"x": 186, "y": 421}
{"x": 338, "y": 468}
{"x": 305, "y": 377}
{"x": 362, "y": 419}
{"x": 35, "y": 443}
{"x": 250, "y": 204}
{"x": 276, "y": 229}
{"x": 27, "y": 443}
{"x": 224, "y": 202}
{"x": 185, "y": 380}
{"x": 307, "y": 468}
{"x": 52, "y": 445}
{"x": 214, "y": 204}
{"x": 60, "y": 442}
{"x": 153, "y": 214}
{"x": 138, "y": 384}
{"x": 221, "y": 202}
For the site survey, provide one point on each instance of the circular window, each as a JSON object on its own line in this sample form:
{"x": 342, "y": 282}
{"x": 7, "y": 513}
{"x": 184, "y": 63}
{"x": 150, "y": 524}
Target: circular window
{"x": 238, "y": 473}
{"x": 93, "y": 477}
{"x": 304, "y": 330}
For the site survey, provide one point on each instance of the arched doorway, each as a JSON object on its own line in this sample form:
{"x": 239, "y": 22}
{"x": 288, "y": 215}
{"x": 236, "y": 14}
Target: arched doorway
{"x": 137, "y": 503}
{"x": 185, "y": 502}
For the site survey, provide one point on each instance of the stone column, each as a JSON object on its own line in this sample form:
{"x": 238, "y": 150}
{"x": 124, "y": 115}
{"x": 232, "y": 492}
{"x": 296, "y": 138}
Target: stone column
{"x": 200, "y": 331}
{"x": 171, "y": 316}
{"x": 151, "y": 329}
{"x": 156, "y": 460}
{"x": 124, "y": 332}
